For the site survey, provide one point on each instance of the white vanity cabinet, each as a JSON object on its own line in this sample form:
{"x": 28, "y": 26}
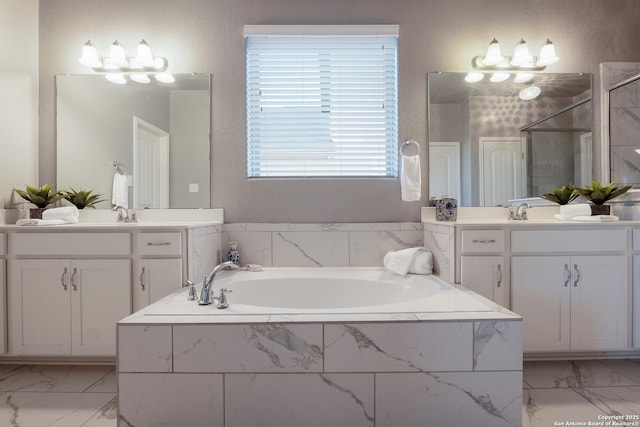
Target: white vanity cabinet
{"x": 158, "y": 269}
{"x": 66, "y": 291}
{"x": 482, "y": 263}
{"x": 3, "y": 325}
{"x": 572, "y": 288}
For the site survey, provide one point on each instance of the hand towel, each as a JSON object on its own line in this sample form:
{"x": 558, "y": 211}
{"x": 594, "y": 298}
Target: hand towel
{"x": 34, "y": 221}
{"x": 595, "y": 218}
{"x": 574, "y": 209}
{"x": 69, "y": 214}
{"x": 411, "y": 260}
{"x": 410, "y": 179}
{"x": 120, "y": 194}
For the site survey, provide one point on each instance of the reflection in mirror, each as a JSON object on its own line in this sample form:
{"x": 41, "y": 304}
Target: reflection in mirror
{"x": 157, "y": 134}
{"x": 624, "y": 128}
{"x": 488, "y": 146}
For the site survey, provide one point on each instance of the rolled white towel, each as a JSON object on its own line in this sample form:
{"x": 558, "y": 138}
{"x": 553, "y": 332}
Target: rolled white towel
{"x": 69, "y": 214}
{"x": 411, "y": 260}
{"x": 574, "y": 209}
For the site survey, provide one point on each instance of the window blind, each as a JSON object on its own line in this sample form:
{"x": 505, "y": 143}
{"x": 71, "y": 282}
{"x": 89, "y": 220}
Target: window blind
{"x": 322, "y": 106}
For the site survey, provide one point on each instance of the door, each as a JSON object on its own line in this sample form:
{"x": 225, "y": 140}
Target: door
{"x": 485, "y": 275}
{"x": 502, "y": 170}
{"x": 151, "y": 165}
{"x": 156, "y": 278}
{"x": 541, "y": 294}
{"x": 599, "y": 302}
{"x": 444, "y": 169}
{"x": 100, "y": 296}
{"x": 39, "y": 307}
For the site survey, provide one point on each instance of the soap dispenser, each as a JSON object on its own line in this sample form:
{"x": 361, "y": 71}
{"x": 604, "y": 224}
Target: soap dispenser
{"x": 233, "y": 255}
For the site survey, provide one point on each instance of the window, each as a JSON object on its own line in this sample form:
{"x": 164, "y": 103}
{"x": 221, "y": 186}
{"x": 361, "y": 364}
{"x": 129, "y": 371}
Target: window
{"x": 322, "y": 101}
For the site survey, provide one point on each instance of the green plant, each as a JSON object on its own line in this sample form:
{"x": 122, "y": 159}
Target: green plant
{"x": 41, "y": 197}
{"x": 563, "y": 195}
{"x": 82, "y": 198}
{"x": 599, "y": 194}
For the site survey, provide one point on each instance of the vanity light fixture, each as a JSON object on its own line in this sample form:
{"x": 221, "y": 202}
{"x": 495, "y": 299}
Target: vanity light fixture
{"x": 522, "y": 60}
{"x": 523, "y": 77}
{"x": 499, "y": 77}
{"x": 474, "y": 77}
{"x": 117, "y": 66}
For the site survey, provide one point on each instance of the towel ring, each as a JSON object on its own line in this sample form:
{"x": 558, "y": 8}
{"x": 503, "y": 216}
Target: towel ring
{"x": 407, "y": 143}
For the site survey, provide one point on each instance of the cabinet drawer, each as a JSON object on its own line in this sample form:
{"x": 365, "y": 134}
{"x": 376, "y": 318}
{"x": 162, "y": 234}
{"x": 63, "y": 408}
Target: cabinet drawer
{"x": 584, "y": 240}
{"x": 160, "y": 243}
{"x": 3, "y": 245}
{"x": 70, "y": 244}
{"x": 482, "y": 241}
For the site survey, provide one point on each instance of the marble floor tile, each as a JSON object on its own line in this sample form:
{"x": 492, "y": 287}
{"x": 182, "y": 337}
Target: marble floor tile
{"x": 106, "y": 384}
{"x": 52, "y": 409}
{"x": 63, "y": 378}
{"x": 630, "y": 368}
{"x": 572, "y": 373}
{"x": 554, "y": 407}
{"x": 613, "y": 400}
{"x": 107, "y": 416}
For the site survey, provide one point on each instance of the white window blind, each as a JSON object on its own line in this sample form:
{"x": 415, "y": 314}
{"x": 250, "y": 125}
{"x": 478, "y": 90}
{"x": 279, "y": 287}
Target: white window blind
{"x": 322, "y": 106}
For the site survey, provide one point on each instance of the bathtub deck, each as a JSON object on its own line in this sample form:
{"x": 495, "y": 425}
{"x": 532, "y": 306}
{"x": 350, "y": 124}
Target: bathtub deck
{"x": 182, "y": 364}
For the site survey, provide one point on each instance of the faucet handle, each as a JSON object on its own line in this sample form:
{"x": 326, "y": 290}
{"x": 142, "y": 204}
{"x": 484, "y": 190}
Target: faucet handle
{"x": 222, "y": 299}
{"x": 192, "y": 291}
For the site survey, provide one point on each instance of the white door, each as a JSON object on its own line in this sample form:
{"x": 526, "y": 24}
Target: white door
{"x": 585, "y": 160}
{"x": 155, "y": 278}
{"x": 486, "y": 276}
{"x": 502, "y": 170}
{"x": 151, "y": 165}
{"x": 444, "y": 169}
{"x": 39, "y": 307}
{"x": 100, "y": 297}
{"x": 599, "y": 302}
{"x": 541, "y": 294}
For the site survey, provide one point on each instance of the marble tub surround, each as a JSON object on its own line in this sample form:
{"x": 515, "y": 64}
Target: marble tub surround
{"x": 366, "y": 369}
{"x": 320, "y": 245}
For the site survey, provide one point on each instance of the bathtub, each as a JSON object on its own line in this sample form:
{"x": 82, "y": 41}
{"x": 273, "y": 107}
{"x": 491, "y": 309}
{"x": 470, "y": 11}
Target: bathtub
{"x": 330, "y": 291}
{"x": 322, "y": 346}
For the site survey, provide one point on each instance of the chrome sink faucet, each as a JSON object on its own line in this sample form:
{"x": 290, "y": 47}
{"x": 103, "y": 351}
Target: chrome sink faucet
{"x": 126, "y": 216}
{"x": 206, "y": 297}
{"x": 520, "y": 214}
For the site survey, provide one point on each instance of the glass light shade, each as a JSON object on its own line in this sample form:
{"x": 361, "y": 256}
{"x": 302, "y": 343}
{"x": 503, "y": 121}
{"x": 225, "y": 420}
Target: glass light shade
{"x": 499, "y": 77}
{"x": 140, "y": 78}
{"x": 493, "y": 56}
{"x": 474, "y": 77}
{"x": 90, "y": 56}
{"x": 144, "y": 56}
{"x": 117, "y": 78}
{"x": 165, "y": 77}
{"x": 529, "y": 92}
{"x": 117, "y": 56}
{"x": 522, "y": 77}
{"x": 521, "y": 55}
{"x": 547, "y": 55}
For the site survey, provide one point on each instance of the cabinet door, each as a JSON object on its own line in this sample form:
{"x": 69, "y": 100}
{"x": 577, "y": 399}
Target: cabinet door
{"x": 39, "y": 307}
{"x": 541, "y": 292}
{"x": 600, "y": 302}
{"x": 100, "y": 295}
{"x": 155, "y": 278}
{"x": 486, "y": 276}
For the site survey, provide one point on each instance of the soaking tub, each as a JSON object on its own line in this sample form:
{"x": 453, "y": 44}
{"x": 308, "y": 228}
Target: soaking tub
{"x": 322, "y": 346}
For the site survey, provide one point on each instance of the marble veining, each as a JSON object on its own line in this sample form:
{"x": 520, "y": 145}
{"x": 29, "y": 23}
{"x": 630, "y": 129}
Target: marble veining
{"x": 305, "y": 353}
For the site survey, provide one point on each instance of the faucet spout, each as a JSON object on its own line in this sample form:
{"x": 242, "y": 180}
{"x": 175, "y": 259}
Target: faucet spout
{"x": 205, "y": 294}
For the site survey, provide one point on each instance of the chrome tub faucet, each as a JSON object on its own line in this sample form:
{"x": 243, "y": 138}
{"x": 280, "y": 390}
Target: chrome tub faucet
{"x": 206, "y": 294}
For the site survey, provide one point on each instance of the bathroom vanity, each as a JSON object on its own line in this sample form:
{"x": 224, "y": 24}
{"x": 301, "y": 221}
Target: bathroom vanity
{"x": 68, "y": 285}
{"x": 570, "y": 281}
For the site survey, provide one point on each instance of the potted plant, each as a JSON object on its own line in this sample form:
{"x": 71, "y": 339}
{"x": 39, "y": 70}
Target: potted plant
{"x": 563, "y": 195}
{"x": 82, "y": 198}
{"x": 599, "y": 194}
{"x": 42, "y": 197}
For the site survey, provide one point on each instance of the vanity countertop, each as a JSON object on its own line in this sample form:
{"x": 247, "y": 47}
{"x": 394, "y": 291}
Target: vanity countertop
{"x": 164, "y": 225}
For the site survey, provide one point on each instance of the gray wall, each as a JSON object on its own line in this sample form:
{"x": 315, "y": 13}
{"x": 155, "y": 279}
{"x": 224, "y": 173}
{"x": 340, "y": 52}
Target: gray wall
{"x": 206, "y": 36}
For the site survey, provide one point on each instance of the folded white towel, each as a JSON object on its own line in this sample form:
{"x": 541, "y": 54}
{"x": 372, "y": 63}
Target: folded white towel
{"x": 589, "y": 218}
{"x": 35, "y": 221}
{"x": 574, "y": 209}
{"x": 69, "y": 214}
{"x": 411, "y": 260}
{"x": 410, "y": 178}
{"x": 120, "y": 191}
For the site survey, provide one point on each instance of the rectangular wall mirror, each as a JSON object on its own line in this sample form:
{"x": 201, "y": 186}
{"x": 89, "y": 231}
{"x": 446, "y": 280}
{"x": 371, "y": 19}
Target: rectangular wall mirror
{"x": 157, "y": 134}
{"x": 487, "y": 146}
